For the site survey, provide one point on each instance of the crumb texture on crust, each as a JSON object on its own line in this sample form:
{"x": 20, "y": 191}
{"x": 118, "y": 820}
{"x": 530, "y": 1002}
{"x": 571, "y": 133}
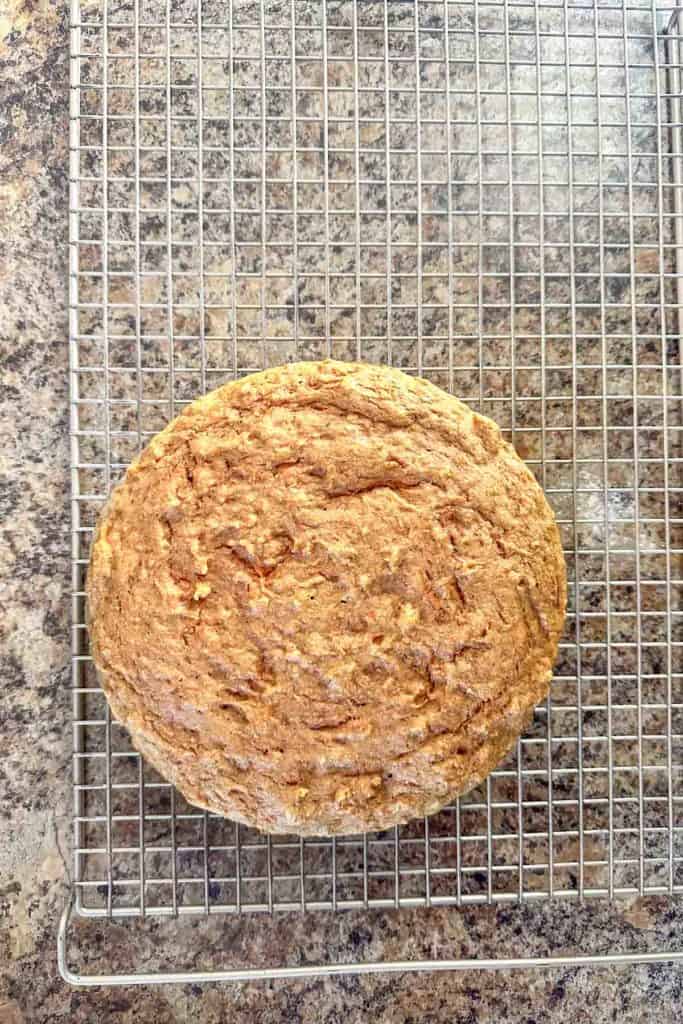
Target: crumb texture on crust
{"x": 326, "y": 598}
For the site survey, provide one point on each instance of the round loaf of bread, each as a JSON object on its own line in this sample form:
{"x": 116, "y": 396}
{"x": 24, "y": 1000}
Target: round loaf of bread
{"x": 326, "y": 598}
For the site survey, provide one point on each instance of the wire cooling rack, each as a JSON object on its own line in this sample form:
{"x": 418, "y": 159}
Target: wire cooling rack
{"x": 489, "y": 194}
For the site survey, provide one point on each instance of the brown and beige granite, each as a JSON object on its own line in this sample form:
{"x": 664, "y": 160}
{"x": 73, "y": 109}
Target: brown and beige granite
{"x": 34, "y": 711}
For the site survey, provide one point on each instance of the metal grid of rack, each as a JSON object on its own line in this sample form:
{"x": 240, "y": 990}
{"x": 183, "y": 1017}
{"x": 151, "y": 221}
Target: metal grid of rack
{"x": 489, "y": 194}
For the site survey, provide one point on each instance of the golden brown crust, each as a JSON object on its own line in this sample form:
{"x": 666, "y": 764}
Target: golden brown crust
{"x": 326, "y": 598}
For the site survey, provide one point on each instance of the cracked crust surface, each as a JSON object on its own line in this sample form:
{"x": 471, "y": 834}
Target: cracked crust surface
{"x": 326, "y": 598}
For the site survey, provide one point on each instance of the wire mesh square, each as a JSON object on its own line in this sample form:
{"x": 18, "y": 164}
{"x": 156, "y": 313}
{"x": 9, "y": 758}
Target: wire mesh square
{"x": 489, "y": 195}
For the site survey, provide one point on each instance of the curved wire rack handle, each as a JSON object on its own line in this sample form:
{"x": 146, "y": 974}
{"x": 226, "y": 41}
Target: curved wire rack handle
{"x": 328, "y": 970}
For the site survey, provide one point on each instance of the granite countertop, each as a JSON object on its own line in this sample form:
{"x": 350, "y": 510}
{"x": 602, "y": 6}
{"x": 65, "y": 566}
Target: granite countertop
{"x": 35, "y": 736}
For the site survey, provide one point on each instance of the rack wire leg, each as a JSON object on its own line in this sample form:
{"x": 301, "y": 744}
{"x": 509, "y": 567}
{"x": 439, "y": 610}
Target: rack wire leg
{"x": 330, "y": 970}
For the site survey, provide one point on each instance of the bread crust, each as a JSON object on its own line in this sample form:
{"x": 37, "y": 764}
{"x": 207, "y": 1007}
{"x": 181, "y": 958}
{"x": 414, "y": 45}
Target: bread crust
{"x": 326, "y": 598}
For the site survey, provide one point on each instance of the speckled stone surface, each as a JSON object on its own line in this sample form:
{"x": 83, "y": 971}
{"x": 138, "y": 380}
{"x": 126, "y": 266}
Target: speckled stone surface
{"x": 35, "y": 799}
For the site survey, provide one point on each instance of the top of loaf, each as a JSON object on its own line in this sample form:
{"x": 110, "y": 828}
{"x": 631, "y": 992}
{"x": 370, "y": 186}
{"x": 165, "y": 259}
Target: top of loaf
{"x": 325, "y": 598}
